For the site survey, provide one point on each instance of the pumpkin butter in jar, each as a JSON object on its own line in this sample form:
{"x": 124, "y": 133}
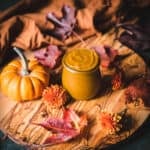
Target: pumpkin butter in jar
{"x": 81, "y": 76}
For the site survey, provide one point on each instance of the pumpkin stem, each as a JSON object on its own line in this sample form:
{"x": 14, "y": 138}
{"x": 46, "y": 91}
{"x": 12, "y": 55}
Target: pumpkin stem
{"x": 24, "y": 61}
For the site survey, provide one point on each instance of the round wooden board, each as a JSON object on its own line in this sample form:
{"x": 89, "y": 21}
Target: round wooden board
{"x": 16, "y": 119}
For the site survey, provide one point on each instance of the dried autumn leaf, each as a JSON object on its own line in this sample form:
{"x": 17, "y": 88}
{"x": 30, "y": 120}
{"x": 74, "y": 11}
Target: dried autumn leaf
{"x": 139, "y": 88}
{"x": 57, "y": 125}
{"x": 71, "y": 116}
{"x": 65, "y": 128}
{"x": 59, "y": 138}
{"x": 137, "y": 37}
{"x": 107, "y": 55}
{"x": 65, "y": 25}
{"x": 48, "y": 56}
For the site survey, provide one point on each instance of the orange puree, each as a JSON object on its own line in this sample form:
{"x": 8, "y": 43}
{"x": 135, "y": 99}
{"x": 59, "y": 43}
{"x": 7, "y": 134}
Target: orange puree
{"x": 80, "y": 75}
{"x": 81, "y": 60}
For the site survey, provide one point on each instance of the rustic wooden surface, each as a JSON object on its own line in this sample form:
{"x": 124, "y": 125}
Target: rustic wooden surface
{"x": 16, "y": 119}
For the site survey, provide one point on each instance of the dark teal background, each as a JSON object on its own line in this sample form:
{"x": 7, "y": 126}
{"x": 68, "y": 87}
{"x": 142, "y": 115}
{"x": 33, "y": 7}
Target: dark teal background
{"x": 139, "y": 141}
{"x": 6, "y": 3}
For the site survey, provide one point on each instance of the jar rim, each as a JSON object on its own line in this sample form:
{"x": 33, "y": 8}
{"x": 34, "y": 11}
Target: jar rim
{"x": 77, "y": 71}
{"x": 73, "y": 55}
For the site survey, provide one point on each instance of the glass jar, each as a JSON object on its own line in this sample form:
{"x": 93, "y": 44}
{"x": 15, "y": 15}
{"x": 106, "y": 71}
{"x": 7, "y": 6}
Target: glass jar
{"x": 81, "y": 76}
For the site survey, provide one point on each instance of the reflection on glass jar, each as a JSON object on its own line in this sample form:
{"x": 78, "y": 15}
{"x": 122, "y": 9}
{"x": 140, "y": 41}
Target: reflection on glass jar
{"x": 81, "y": 76}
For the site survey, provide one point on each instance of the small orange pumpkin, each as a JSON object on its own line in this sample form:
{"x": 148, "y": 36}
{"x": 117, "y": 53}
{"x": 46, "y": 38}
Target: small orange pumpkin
{"x": 23, "y": 80}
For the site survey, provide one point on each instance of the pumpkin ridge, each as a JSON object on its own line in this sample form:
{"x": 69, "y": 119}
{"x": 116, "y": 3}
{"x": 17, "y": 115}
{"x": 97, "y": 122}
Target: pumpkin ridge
{"x": 13, "y": 87}
{"x": 4, "y": 74}
{"x": 15, "y": 63}
{"x": 38, "y": 87}
{"x": 38, "y": 68}
{"x": 26, "y": 88}
{"x": 9, "y": 68}
{"x": 6, "y": 81}
{"x": 43, "y": 77}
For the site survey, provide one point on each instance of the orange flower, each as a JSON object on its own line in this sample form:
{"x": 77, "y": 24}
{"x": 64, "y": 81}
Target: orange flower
{"x": 55, "y": 96}
{"x": 110, "y": 122}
